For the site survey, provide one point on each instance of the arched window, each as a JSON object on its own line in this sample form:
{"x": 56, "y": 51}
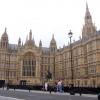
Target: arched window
{"x": 29, "y": 64}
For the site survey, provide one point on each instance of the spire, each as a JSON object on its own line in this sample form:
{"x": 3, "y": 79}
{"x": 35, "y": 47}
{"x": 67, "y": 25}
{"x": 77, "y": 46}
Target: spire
{"x": 30, "y": 35}
{"x": 4, "y": 39}
{"x": 53, "y": 36}
{"x": 5, "y": 33}
{"x": 87, "y": 14}
{"x": 88, "y": 28}
{"x": 19, "y": 41}
{"x": 53, "y": 45}
{"x": 87, "y": 8}
{"x": 53, "y": 39}
{"x": 5, "y": 30}
{"x": 40, "y": 44}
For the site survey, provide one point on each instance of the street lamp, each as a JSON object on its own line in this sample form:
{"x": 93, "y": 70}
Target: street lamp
{"x": 71, "y": 65}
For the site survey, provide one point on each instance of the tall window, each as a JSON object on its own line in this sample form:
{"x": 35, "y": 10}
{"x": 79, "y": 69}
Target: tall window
{"x": 29, "y": 64}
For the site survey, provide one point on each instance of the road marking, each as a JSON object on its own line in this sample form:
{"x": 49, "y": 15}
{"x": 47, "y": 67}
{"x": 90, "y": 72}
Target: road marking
{"x": 8, "y": 98}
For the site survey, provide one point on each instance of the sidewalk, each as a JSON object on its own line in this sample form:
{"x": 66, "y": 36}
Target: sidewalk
{"x": 54, "y": 93}
{"x": 63, "y": 93}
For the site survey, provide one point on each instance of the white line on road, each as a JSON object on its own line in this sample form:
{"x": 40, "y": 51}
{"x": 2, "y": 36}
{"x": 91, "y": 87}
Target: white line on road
{"x": 8, "y": 98}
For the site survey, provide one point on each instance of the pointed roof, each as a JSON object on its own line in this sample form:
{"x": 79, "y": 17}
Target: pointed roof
{"x": 40, "y": 43}
{"x": 19, "y": 41}
{"x": 30, "y": 41}
{"x": 53, "y": 39}
{"x": 30, "y": 35}
{"x": 5, "y": 33}
{"x": 87, "y": 14}
{"x": 53, "y": 42}
{"x": 88, "y": 27}
{"x": 87, "y": 8}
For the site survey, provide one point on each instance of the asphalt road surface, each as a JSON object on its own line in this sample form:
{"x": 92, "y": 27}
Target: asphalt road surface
{"x": 26, "y": 95}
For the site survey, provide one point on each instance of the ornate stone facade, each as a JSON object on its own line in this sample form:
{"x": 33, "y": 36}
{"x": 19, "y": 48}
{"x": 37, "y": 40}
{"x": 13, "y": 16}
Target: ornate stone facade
{"x": 28, "y": 64}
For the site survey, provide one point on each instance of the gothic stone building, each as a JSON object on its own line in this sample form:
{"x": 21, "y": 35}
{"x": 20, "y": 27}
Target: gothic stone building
{"x": 28, "y": 64}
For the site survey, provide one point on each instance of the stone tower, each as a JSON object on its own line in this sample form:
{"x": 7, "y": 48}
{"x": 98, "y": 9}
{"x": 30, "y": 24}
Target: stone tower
{"x": 19, "y": 42}
{"x": 4, "y": 40}
{"x": 40, "y": 44}
{"x": 88, "y": 28}
{"x": 53, "y": 46}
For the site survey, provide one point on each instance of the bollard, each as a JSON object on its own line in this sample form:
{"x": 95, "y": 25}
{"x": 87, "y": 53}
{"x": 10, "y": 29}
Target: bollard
{"x": 14, "y": 88}
{"x": 99, "y": 96}
{"x": 29, "y": 89}
{"x": 72, "y": 92}
{"x": 7, "y": 88}
{"x": 80, "y": 93}
{"x": 50, "y": 89}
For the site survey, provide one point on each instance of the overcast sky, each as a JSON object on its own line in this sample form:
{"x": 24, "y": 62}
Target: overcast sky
{"x": 46, "y": 17}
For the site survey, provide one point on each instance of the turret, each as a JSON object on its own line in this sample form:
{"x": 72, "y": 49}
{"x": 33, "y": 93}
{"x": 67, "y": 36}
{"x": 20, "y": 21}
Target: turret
{"x": 29, "y": 40}
{"x": 88, "y": 27}
{"x": 30, "y": 35}
{"x": 53, "y": 46}
{"x": 4, "y": 40}
{"x": 40, "y": 44}
{"x": 19, "y": 42}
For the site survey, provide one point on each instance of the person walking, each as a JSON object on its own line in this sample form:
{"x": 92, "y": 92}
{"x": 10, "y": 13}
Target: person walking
{"x": 59, "y": 86}
{"x": 46, "y": 86}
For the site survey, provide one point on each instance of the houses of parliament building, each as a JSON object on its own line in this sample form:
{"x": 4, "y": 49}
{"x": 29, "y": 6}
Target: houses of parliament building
{"x": 29, "y": 64}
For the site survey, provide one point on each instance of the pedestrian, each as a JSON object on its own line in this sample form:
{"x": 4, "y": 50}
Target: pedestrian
{"x": 50, "y": 89}
{"x": 80, "y": 91}
{"x": 59, "y": 86}
{"x": 46, "y": 86}
{"x": 55, "y": 87}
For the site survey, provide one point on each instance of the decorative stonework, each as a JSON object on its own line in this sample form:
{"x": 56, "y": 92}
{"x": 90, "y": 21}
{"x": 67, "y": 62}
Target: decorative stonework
{"x": 28, "y": 64}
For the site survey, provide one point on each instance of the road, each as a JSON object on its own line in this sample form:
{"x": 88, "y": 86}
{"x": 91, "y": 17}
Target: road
{"x": 8, "y": 98}
{"x": 26, "y": 95}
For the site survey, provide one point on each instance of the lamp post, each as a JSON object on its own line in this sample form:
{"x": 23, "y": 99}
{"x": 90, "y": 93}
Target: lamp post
{"x": 71, "y": 65}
